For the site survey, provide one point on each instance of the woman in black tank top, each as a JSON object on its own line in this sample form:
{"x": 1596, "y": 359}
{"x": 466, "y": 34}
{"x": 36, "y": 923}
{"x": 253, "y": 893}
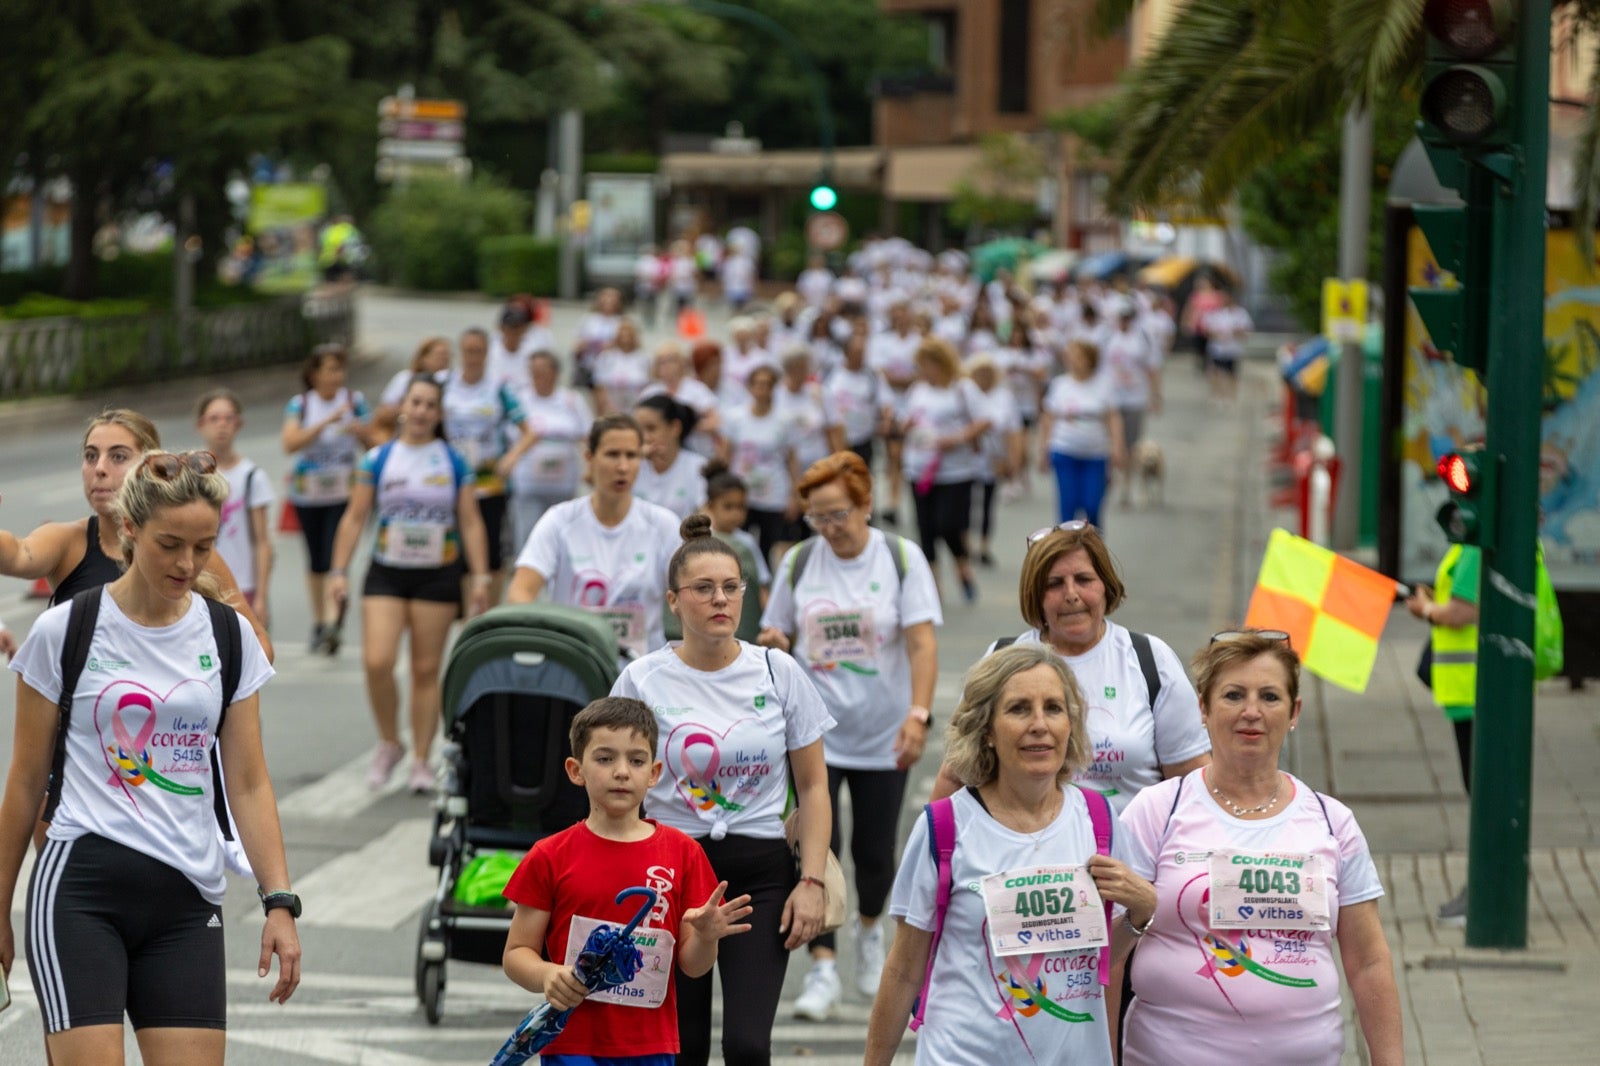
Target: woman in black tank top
{"x": 96, "y": 568}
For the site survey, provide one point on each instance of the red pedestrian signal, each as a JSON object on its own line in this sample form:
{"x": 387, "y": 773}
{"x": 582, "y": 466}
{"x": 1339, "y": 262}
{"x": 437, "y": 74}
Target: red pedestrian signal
{"x": 1465, "y": 516}
{"x": 1454, "y": 473}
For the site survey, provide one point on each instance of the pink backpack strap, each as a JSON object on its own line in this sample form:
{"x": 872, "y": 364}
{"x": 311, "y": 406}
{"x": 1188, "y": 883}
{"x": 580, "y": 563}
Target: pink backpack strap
{"x": 942, "y": 843}
{"x": 1100, "y": 820}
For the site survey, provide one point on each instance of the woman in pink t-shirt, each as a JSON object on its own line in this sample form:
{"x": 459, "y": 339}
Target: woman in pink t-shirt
{"x": 1256, "y": 876}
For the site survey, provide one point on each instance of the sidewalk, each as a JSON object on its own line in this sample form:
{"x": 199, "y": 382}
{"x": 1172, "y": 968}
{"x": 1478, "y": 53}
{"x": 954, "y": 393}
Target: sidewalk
{"x": 1390, "y": 755}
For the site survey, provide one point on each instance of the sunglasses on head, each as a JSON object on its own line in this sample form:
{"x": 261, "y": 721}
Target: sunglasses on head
{"x": 1065, "y": 527}
{"x": 166, "y": 465}
{"x": 1276, "y": 636}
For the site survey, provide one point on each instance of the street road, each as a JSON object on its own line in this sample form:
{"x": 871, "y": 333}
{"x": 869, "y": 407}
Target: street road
{"x": 359, "y": 859}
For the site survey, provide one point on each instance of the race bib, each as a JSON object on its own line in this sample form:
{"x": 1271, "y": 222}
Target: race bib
{"x": 1043, "y": 909}
{"x": 649, "y": 986}
{"x": 414, "y": 544}
{"x": 836, "y": 635}
{"x": 1267, "y": 890}
{"x": 627, "y": 622}
{"x": 325, "y": 485}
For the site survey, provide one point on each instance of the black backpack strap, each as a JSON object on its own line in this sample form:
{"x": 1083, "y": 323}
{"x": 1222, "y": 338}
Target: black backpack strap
{"x": 1147, "y": 665}
{"x": 897, "y": 548}
{"x": 1003, "y": 642}
{"x": 229, "y": 639}
{"x": 81, "y": 619}
{"x": 802, "y": 556}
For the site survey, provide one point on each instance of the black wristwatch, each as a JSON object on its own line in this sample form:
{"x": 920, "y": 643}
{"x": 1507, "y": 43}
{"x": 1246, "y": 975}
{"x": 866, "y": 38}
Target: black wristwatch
{"x": 271, "y": 901}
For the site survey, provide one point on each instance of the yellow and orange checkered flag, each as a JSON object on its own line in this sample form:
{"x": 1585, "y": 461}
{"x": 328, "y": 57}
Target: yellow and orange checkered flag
{"x": 1334, "y": 610}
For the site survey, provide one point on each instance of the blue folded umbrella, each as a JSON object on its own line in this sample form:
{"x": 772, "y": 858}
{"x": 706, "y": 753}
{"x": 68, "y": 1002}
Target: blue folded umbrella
{"x": 609, "y": 959}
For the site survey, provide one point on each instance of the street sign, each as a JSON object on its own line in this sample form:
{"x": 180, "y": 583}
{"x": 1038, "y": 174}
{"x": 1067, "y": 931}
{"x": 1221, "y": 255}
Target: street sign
{"x": 421, "y": 138}
{"x": 827, "y": 231}
{"x": 399, "y": 107}
{"x": 1344, "y": 309}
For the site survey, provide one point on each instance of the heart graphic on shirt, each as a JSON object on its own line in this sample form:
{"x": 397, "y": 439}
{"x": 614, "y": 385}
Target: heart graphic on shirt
{"x": 693, "y": 754}
{"x": 129, "y": 712}
{"x": 1025, "y": 936}
{"x": 1246, "y": 912}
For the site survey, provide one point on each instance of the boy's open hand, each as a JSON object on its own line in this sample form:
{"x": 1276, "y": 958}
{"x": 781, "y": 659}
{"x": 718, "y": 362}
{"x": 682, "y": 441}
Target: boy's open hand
{"x": 717, "y": 918}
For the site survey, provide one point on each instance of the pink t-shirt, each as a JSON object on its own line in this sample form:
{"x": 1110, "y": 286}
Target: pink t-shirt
{"x": 1253, "y": 995}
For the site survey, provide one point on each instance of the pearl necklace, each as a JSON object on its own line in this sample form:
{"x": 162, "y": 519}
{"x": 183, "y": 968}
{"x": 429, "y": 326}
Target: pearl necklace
{"x": 1240, "y": 812}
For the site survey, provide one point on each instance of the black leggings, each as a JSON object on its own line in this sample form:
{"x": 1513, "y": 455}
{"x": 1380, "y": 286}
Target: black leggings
{"x": 875, "y": 797}
{"x": 1464, "y": 749}
{"x": 319, "y": 524}
{"x": 751, "y": 965}
{"x": 989, "y": 490}
{"x": 944, "y": 513}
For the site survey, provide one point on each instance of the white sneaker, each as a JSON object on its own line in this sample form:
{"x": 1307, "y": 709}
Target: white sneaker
{"x": 869, "y": 958}
{"x": 821, "y": 993}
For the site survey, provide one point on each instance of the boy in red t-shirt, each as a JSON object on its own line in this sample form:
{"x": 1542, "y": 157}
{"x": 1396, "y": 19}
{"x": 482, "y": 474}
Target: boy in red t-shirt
{"x": 568, "y": 883}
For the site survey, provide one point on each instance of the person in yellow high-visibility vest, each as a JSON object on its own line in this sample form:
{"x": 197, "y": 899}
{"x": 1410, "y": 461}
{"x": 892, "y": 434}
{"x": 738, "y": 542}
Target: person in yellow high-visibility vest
{"x": 1451, "y": 610}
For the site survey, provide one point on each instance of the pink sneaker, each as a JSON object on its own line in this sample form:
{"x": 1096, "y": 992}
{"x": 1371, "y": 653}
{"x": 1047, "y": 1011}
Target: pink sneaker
{"x": 422, "y": 779}
{"x": 385, "y": 757}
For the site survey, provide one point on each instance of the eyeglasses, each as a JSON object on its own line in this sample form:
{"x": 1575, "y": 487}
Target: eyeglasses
{"x": 167, "y": 466}
{"x": 1065, "y": 527}
{"x": 1276, "y": 636}
{"x": 825, "y": 519}
{"x": 706, "y": 591}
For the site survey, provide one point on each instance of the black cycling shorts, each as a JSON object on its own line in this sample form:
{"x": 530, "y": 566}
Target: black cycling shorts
{"x": 432, "y": 584}
{"x": 113, "y": 931}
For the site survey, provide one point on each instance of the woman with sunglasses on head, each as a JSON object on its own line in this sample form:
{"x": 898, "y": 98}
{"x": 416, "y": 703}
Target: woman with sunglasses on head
{"x": 325, "y": 428}
{"x": 858, "y": 607}
{"x": 124, "y": 907}
{"x": 606, "y": 552}
{"x": 428, "y": 520}
{"x": 738, "y": 722}
{"x": 1258, "y": 876}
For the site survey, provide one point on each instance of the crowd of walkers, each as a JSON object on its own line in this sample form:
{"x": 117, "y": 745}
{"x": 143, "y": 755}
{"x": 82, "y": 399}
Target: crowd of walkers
{"x": 732, "y": 510}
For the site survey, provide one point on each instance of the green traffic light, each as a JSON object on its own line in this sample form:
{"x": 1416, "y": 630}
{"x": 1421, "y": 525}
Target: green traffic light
{"x": 824, "y": 198}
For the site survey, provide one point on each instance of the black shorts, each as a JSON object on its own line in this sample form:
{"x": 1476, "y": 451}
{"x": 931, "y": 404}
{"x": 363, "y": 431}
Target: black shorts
{"x": 1228, "y": 364}
{"x": 493, "y": 509}
{"x": 319, "y": 524}
{"x": 431, "y": 584}
{"x": 112, "y": 931}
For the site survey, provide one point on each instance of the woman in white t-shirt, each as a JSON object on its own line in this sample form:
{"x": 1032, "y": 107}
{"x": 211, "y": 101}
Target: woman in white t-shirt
{"x": 244, "y": 539}
{"x": 1080, "y": 434}
{"x": 1257, "y": 877}
{"x": 858, "y": 400}
{"x": 758, "y": 444}
{"x": 547, "y": 473}
{"x": 858, "y": 607}
{"x": 1028, "y": 842}
{"x": 1004, "y": 445}
{"x": 606, "y": 552}
{"x": 799, "y": 402}
{"x": 620, "y": 371}
{"x": 429, "y": 536}
{"x": 124, "y": 908}
{"x": 596, "y": 329}
{"x": 670, "y": 475}
{"x": 519, "y": 336}
{"x": 738, "y": 724}
{"x": 431, "y": 357}
{"x": 669, "y": 375}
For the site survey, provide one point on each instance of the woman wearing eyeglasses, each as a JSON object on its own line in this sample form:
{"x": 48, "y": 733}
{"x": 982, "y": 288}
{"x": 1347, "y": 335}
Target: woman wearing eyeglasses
{"x": 124, "y": 907}
{"x": 737, "y": 721}
{"x": 857, "y": 607}
{"x": 1257, "y": 877}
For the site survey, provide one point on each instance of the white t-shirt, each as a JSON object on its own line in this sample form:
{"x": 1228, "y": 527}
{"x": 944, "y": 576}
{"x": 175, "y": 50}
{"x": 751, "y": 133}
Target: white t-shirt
{"x": 559, "y": 421}
{"x": 761, "y": 449}
{"x": 1131, "y": 743}
{"x": 1023, "y": 368}
{"x": 475, "y": 419}
{"x": 1078, "y": 416}
{"x": 738, "y": 274}
{"x": 415, "y": 496}
{"x": 595, "y": 333}
{"x": 725, "y": 738}
{"x": 146, "y": 709}
{"x": 395, "y": 391}
{"x": 622, "y": 374}
{"x": 1226, "y": 329}
{"x": 681, "y": 488}
{"x": 511, "y": 368}
{"x": 814, "y": 285}
{"x": 975, "y": 1012}
{"x": 1127, "y": 362}
{"x": 808, "y": 420}
{"x": 856, "y": 399}
{"x": 1242, "y": 994}
{"x": 931, "y": 412}
{"x": 323, "y": 468}
{"x": 848, "y": 619}
{"x": 1005, "y": 418}
{"x": 619, "y": 573}
{"x": 249, "y": 487}
{"x": 685, "y": 275}
{"x": 893, "y": 355}
{"x": 736, "y": 368}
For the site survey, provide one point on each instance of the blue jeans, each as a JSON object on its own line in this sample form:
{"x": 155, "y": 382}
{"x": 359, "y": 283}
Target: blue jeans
{"x": 1080, "y": 486}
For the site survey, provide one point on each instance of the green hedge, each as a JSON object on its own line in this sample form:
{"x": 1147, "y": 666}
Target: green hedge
{"x": 509, "y": 265}
{"x": 426, "y": 234}
{"x": 41, "y": 305}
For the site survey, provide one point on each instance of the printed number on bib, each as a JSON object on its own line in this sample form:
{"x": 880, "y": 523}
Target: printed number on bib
{"x": 627, "y": 622}
{"x": 414, "y": 544}
{"x": 649, "y": 986}
{"x": 836, "y": 635}
{"x": 1043, "y": 909}
{"x": 327, "y": 485}
{"x": 1267, "y": 890}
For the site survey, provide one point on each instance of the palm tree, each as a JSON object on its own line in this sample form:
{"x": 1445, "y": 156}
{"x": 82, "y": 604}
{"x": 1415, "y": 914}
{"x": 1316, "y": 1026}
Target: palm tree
{"x": 1231, "y": 82}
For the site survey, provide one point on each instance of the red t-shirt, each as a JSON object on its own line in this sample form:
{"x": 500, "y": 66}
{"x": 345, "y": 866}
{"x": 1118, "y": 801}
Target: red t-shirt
{"x": 576, "y": 872}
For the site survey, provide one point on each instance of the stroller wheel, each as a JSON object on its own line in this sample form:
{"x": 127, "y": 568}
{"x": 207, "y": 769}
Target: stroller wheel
{"x": 426, "y": 937}
{"x": 433, "y": 991}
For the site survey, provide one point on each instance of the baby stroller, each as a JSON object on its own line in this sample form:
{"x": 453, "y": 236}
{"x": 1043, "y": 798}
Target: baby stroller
{"x": 516, "y": 677}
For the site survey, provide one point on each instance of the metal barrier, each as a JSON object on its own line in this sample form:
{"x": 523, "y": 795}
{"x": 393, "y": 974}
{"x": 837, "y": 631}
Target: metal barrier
{"x": 45, "y": 356}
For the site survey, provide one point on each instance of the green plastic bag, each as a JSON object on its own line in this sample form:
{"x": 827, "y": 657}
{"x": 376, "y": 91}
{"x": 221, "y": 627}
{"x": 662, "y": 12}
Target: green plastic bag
{"x": 1549, "y": 636}
{"x": 484, "y": 878}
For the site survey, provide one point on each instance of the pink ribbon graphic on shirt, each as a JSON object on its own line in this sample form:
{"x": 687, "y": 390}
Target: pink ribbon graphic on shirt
{"x": 1024, "y": 992}
{"x": 130, "y": 755}
{"x": 702, "y": 785}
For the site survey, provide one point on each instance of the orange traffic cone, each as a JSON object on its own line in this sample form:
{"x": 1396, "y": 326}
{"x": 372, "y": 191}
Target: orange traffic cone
{"x": 288, "y": 520}
{"x": 40, "y": 591}
{"x": 691, "y": 324}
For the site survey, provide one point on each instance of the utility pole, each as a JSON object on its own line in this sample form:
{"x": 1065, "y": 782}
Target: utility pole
{"x": 569, "y": 167}
{"x": 1355, "y": 218}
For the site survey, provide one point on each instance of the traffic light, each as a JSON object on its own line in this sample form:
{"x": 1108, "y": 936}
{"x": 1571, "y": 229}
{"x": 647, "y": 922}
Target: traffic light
{"x": 1457, "y": 317}
{"x": 824, "y": 197}
{"x": 1468, "y": 67}
{"x": 1466, "y": 516}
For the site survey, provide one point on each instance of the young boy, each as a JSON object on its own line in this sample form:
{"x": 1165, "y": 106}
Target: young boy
{"x": 567, "y": 884}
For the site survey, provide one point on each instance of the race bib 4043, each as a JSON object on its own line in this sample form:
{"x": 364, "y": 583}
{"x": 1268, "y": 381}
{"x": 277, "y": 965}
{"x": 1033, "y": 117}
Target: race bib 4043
{"x": 1043, "y": 908}
{"x": 1267, "y": 890}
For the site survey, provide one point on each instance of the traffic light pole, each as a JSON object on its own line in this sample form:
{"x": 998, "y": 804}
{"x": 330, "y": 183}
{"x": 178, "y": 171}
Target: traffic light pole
{"x": 1502, "y": 765}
